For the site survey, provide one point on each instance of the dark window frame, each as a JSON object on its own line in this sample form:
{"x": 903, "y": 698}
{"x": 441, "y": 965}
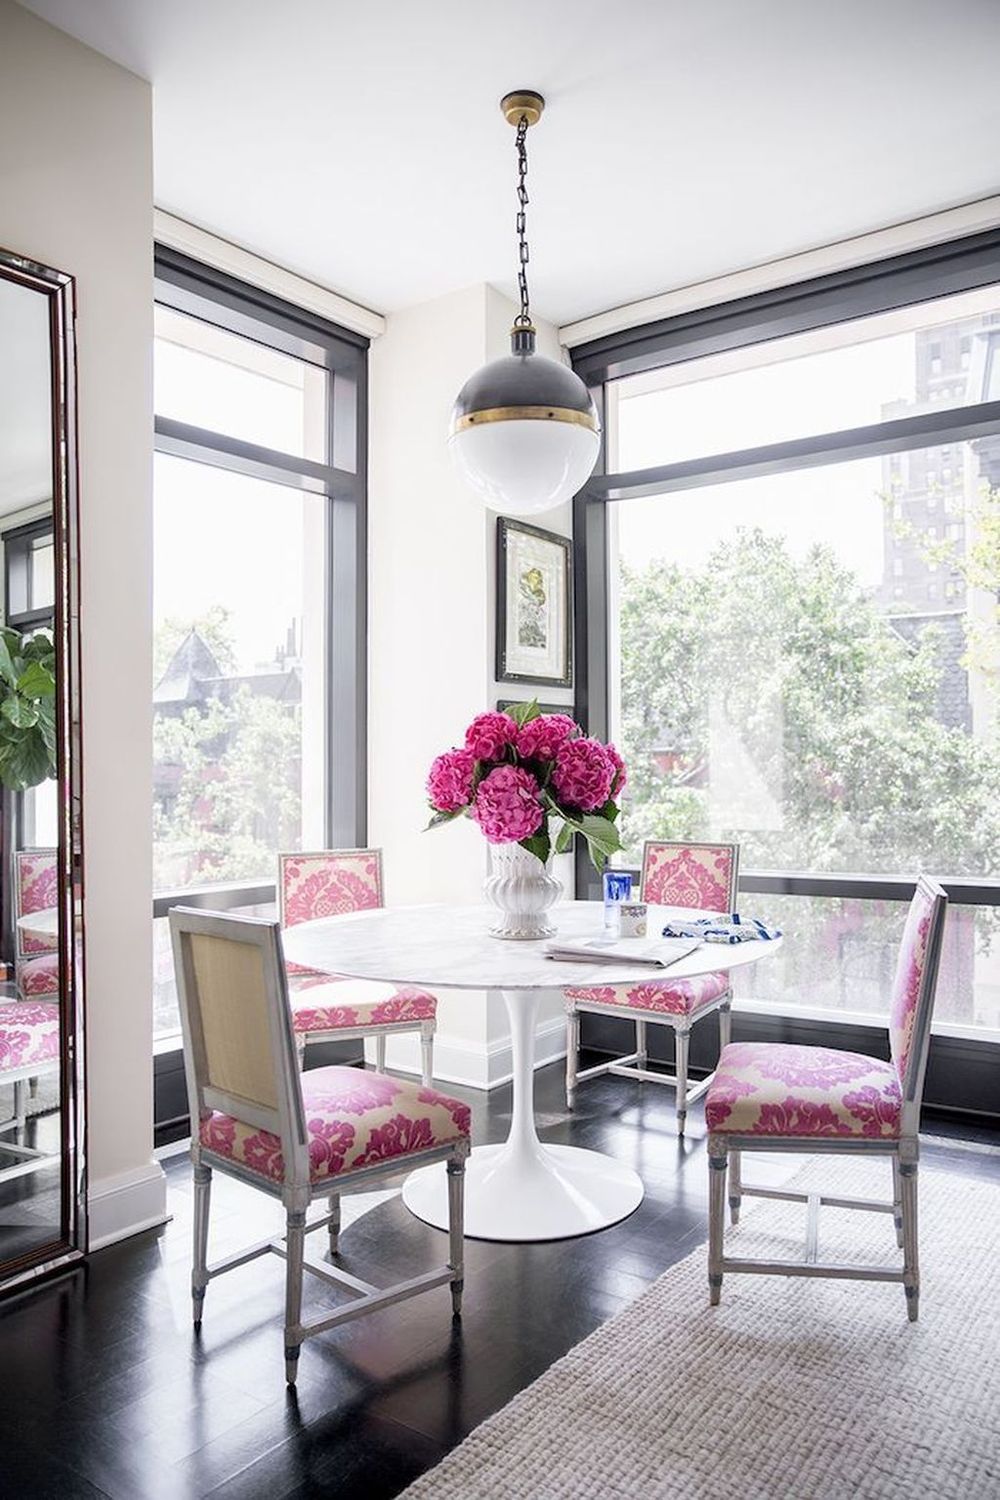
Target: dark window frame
{"x": 918, "y": 276}
{"x": 213, "y": 296}
{"x": 17, "y": 549}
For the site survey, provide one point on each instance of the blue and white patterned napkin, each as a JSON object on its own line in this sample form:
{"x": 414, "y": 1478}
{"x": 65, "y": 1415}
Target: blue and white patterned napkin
{"x": 724, "y": 929}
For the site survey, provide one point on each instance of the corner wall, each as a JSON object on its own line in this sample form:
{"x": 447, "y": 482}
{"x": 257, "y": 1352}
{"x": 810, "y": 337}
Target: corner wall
{"x": 77, "y": 194}
{"x": 431, "y": 640}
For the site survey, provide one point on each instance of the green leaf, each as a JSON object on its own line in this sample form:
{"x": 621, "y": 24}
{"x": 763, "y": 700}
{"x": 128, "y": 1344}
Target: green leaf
{"x": 538, "y": 844}
{"x": 20, "y": 712}
{"x": 438, "y": 818}
{"x": 24, "y": 761}
{"x": 565, "y": 839}
{"x": 7, "y": 671}
{"x": 36, "y": 681}
{"x": 600, "y": 833}
{"x": 523, "y": 713}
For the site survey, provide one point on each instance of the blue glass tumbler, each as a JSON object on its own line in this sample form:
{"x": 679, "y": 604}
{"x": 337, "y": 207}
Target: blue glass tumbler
{"x": 617, "y": 888}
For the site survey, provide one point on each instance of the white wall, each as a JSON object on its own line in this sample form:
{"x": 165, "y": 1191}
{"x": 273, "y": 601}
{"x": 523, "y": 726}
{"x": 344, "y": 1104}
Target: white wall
{"x": 431, "y": 641}
{"x": 76, "y": 175}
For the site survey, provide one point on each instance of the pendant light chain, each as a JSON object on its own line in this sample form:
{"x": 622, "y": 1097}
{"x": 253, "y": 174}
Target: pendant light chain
{"x": 523, "y": 319}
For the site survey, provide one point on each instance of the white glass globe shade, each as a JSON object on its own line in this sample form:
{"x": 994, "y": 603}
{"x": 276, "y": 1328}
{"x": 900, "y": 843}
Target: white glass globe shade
{"x": 525, "y": 466}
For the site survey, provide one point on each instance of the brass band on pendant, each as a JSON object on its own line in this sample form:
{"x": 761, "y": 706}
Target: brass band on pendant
{"x": 525, "y": 414}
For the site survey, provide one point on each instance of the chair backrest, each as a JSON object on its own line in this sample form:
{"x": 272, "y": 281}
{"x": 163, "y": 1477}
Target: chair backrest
{"x": 702, "y": 876}
{"x": 328, "y": 883}
{"x": 913, "y": 989}
{"x": 35, "y": 889}
{"x": 239, "y": 1051}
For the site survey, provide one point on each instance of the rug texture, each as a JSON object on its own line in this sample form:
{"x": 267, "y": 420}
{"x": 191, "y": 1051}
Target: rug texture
{"x": 791, "y": 1389}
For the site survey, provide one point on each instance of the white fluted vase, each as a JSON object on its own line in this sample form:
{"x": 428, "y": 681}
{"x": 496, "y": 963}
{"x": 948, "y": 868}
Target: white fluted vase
{"x": 523, "y": 890}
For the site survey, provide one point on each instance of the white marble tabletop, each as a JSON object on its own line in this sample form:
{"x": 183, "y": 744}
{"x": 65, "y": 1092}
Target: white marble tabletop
{"x": 451, "y": 946}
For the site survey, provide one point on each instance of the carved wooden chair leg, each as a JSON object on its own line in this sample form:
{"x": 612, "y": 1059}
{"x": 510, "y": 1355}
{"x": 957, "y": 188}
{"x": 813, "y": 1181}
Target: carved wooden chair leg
{"x": 572, "y": 1054}
{"x": 334, "y": 1226}
{"x": 640, "y": 1044}
{"x": 300, "y": 1050}
{"x": 897, "y": 1202}
{"x": 911, "y": 1263}
{"x": 21, "y": 1103}
{"x": 682, "y": 1041}
{"x": 380, "y": 1054}
{"x": 199, "y": 1272}
{"x": 426, "y": 1054}
{"x": 295, "y": 1239}
{"x": 725, "y": 1024}
{"x": 717, "y": 1162}
{"x": 456, "y": 1229}
{"x": 735, "y": 1185}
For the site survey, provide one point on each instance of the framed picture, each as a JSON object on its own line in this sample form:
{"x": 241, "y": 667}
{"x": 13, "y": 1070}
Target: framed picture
{"x": 534, "y": 605}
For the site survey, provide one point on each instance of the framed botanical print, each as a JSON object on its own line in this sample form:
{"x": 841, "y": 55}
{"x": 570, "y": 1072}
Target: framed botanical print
{"x": 534, "y": 605}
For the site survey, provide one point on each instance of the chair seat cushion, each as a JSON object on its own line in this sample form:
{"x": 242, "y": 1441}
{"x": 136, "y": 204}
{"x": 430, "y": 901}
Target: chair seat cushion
{"x": 353, "y": 1119}
{"x": 29, "y": 1033}
{"x": 769, "y": 1088}
{"x": 676, "y": 997}
{"x": 334, "y": 1005}
{"x": 39, "y": 976}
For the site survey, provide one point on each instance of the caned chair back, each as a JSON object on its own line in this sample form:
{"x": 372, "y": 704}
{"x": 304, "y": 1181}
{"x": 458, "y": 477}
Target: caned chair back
{"x": 701, "y": 876}
{"x": 35, "y": 889}
{"x": 328, "y": 884}
{"x": 239, "y": 1052}
{"x": 912, "y": 1004}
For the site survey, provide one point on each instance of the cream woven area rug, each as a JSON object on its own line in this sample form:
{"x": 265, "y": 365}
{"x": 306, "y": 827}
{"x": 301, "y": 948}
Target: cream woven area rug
{"x": 792, "y": 1389}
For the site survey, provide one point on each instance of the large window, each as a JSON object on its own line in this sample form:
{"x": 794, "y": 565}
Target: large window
{"x": 799, "y": 533}
{"x": 257, "y": 598}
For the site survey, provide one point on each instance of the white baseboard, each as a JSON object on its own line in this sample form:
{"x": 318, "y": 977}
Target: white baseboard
{"x": 476, "y": 1065}
{"x": 126, "y": 1204}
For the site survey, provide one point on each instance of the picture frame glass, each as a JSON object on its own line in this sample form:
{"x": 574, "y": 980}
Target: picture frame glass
{"x": 535, "y": 622}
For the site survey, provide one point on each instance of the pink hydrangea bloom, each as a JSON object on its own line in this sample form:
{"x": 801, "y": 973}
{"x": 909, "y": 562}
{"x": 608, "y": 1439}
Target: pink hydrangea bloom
{"x": 449, "y": 781}
{"x": 540, "y": 738}
{"x": 488, "y": 736}
{"x": 583, "y": 774}
{"x": 621, "y": 776}
{"x": 507, "y": 807}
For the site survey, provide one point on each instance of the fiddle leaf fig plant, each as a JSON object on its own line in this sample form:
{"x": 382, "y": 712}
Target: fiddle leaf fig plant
{"x": 27, "y": 708}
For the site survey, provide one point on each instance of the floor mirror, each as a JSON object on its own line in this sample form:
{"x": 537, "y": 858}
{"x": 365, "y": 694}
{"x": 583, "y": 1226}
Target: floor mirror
{"x": 42, "y": 1138}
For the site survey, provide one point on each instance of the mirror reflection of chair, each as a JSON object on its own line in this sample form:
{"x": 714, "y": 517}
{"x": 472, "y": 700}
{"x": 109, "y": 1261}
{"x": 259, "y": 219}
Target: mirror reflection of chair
{"x": 36, "y": 952}
{"x": 295, "y": 1136}
{"x": 29, "y": 1049}
{"x": 326, "y": 1008}
{"x": 770, "y": 1096}
{"x": 700, "y": 877}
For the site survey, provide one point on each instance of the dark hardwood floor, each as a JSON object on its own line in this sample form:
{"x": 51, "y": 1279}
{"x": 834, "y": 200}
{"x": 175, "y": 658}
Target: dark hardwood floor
{"x": 107, "y": 1391}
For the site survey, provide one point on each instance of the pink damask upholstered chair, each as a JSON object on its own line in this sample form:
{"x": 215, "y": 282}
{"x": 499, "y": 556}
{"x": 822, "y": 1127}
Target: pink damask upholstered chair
{"x": 694, "y": 876}
{"x": 36, "y": 957}
{"x": 325, "y": 1008}
{"x": 29, "y": 1049}
{"x": 295, "y": 1136}
{"x": 773, "y": 1097}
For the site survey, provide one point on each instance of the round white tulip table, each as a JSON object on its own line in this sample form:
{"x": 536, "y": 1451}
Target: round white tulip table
{"x": 523, "y": 1189}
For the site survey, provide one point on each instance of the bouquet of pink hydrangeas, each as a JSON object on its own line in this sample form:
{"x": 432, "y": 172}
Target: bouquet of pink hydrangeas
{"x": 522, "y": 770}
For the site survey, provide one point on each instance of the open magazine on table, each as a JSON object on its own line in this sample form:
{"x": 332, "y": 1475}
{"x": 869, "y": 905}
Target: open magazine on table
{"x": 656, "y": 953}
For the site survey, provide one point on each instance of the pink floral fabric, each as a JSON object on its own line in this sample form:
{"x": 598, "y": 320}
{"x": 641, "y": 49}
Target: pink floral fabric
{"x": 694, "y": 875}
{"x": 909, "y": 973}
{"x": 347, "y": 1003}
{"x": 678, "y": 997}
{"x": 328, "y": 884}
{"x": 353, "y": 1119}
{"x": 29, "y": 1033}
{"x": 39, "y": 976}
{"x": 507, "y": 808}
{"x": 35, "y": 878}
{"x": 767, "y": 1088}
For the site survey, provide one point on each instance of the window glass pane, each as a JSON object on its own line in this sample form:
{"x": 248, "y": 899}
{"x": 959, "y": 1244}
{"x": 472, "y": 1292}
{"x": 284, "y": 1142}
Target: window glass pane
{"x": 809, "y": 663}
{"x": 239, "y": 671}
{"x": 215, "y": 379}
{"x": 870, "y": 370}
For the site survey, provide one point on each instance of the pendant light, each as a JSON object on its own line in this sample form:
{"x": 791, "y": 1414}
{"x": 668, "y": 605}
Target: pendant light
{"x": 524, "y": 429}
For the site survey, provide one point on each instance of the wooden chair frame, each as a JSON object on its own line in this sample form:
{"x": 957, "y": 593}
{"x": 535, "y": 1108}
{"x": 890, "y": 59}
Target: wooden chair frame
{"x": 635, "y": 1064}
{"x": 32, "y": 1158}
{"x": 724, "y": 1159}
{"x": 355, "y": 1033}
{"x": 287, "y": 1121}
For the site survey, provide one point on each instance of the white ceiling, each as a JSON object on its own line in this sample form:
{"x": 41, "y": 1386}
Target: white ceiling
{"x": 360, "y": 143}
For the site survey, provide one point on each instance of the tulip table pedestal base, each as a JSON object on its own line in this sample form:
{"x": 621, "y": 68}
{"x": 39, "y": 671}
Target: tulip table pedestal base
{"x": 523, "y": 1189}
